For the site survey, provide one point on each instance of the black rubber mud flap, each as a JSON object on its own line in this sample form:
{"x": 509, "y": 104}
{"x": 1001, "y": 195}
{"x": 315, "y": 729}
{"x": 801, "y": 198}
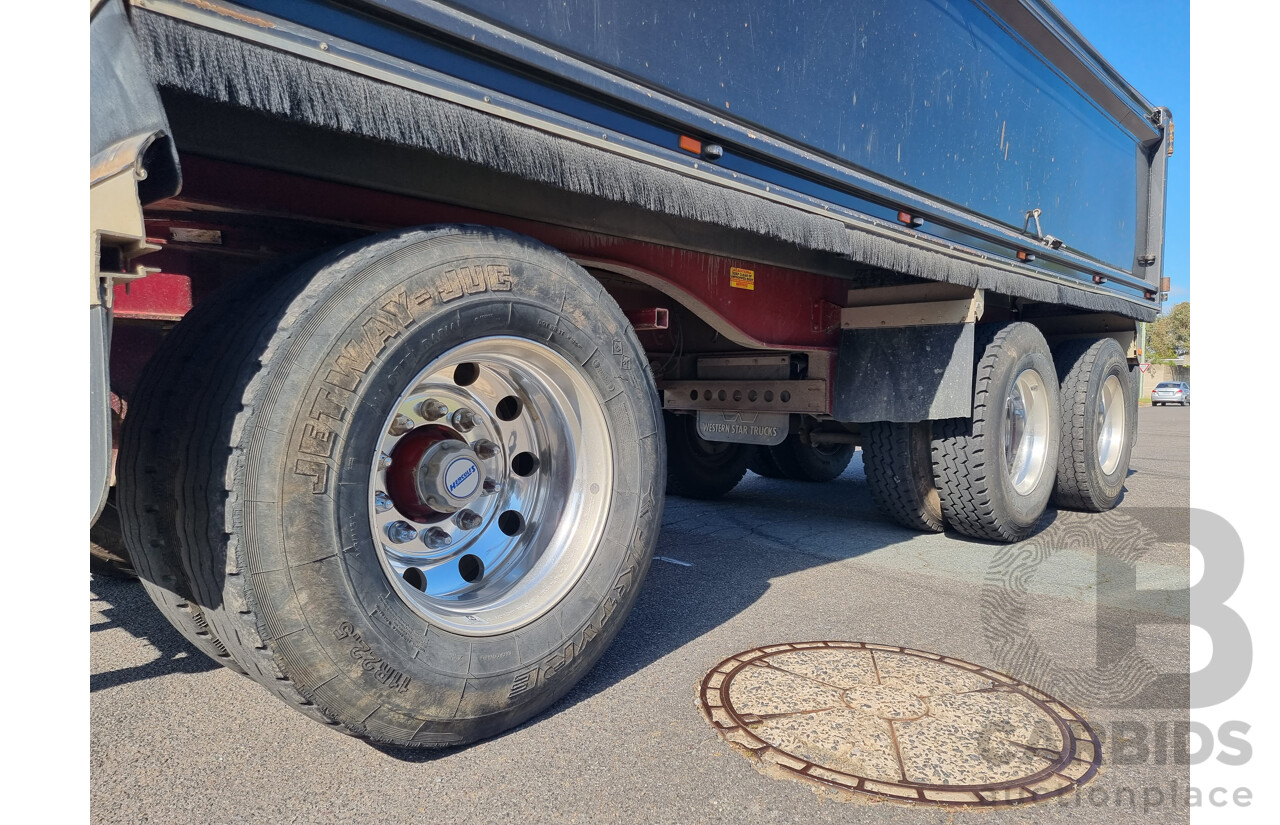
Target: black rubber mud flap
{"x": 904, "y": 373}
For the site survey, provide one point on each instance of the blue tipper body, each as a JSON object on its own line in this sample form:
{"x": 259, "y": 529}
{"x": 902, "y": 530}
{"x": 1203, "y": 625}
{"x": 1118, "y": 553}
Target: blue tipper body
{"x": 994, "y": 124}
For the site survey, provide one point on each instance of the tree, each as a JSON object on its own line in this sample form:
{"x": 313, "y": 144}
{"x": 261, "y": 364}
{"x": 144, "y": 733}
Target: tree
{"x": 1169, "y": 336}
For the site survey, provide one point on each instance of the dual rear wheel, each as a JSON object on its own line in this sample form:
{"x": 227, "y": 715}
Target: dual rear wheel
{"x": 797, "y": 460}
{"x": 1045, "y": 426}
{"x": 411, "y": 487}
{"x": 701, "y": 469}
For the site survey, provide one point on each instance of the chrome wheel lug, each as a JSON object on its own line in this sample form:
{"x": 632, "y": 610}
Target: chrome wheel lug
{"x": 485, "y": 448}
{"x": 384, "y": 461}
{"x": 431, "y": 409}
{"x": 435, "y": 538}
{"x": 401, "y": 424}
{"x": 490, "y": 487}
{"x": 464, "y": 420}
{"x": 467, "y": 519}
{"x": 382, "y": 502}
{"x": 401, "y": 532}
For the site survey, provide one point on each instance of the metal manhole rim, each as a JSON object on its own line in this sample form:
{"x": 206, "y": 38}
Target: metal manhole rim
{"x": 1061, "y": 714}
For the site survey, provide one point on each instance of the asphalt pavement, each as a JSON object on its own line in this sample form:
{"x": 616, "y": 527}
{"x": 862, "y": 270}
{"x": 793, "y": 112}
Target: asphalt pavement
{"x": 1089, "y": 610}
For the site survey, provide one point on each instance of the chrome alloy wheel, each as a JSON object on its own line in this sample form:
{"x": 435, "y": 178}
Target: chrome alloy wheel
{"x": 1111, "y": 424}
{"x": 1026, "y": 434}
{"x": 489, "y": 488}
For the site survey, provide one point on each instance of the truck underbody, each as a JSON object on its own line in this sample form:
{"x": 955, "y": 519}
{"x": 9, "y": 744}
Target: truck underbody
{"x": 523, "y": 317}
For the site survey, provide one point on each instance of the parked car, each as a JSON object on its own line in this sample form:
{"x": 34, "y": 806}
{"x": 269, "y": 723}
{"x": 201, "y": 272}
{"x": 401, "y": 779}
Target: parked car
{"x": 1171, "y": 392}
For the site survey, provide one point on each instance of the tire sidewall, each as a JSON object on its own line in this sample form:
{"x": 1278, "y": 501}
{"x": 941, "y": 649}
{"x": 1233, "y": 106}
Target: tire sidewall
{"x": 698, "y": 471}
{"x": 919, "y": 437}
{"x": 1106, "y": 487}
{"x": 402, "y": 302}
{"x": 1030, "y": 352}
{"x": 812, "y": 464}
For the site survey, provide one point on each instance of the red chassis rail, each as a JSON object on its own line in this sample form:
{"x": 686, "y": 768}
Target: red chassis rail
{"x": 777, "y": 311}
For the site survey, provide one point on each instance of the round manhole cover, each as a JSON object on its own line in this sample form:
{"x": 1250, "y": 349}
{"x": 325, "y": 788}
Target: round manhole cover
{"x": 899, "y": 723}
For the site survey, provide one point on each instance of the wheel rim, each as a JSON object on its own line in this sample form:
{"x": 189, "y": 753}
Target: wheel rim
{"x": 490, "y": 485}
{"x": 1111, "y": 424}
{"x": 828, "y": 450}
{"x": 1026, "y": 432}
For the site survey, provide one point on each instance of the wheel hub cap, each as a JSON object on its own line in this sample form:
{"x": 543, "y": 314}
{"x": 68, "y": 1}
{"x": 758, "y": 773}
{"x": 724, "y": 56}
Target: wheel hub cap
{"x": 449, "y": 476}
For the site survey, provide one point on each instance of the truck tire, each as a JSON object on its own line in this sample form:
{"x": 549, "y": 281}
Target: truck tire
{"x": 761, "y": 463}
{"x": 107, "y": 554}
{"x": 995, "y": 470}
{"x": 701, "y": 469}
{"x": 217, "y": 353}
{"x": 897, "y": 459}
{"x": 441, "y": 485}
{"x": 1097, "y": 415}
{"x": 810, "y": 462}
{"x": 155, "y": 440}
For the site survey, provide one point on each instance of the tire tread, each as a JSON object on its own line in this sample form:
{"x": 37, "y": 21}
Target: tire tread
{"x": 1076, "y": 361}
{"x": 250, "y": 612}
{"x": 800, "y": 462}
{"x": 887, "y": 463}
{"x": 962, "y": 469}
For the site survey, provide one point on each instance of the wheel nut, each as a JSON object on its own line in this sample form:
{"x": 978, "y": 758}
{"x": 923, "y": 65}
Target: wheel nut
{"x": 432, "y": 409}
{"x": 464, "y": 420}
{"x": 384, "y": 461}
{"x": 490, "y": 487}
{"x": 400, "y": 532}
{"x": 485, "y": 448}
{"x": 401, "y": 424}
{"x": 381, "y": 502}
{"x": 467, "y": 519}
{"x": 435, "y": 538}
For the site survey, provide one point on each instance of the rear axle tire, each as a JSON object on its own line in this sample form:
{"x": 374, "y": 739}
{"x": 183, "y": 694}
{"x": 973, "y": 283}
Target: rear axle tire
{"x": 897, "y": 459}
{"x": 1097, "y": 414}
{"x": 157, "y": 437}
{"x": 799, "y": 461}
{"x": 437, "y": 488}
{"x": 762, "y": 464}
{"x": 995, "y": 470}
{"x": 701, "y": 469}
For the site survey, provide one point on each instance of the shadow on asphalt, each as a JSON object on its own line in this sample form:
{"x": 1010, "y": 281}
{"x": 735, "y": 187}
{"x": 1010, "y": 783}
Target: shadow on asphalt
{"x": 129, "y": 609}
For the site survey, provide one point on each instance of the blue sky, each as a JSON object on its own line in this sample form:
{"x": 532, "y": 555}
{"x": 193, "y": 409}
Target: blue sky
{"x": 1149, "y": 43}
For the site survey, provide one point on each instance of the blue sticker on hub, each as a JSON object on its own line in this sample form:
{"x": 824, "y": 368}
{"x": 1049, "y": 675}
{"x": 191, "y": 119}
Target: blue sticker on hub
{"x": 462, "y": 477}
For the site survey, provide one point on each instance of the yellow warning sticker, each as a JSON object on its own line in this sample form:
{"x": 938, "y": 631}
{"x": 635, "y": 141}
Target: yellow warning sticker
{"x": 742, "y": 278}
